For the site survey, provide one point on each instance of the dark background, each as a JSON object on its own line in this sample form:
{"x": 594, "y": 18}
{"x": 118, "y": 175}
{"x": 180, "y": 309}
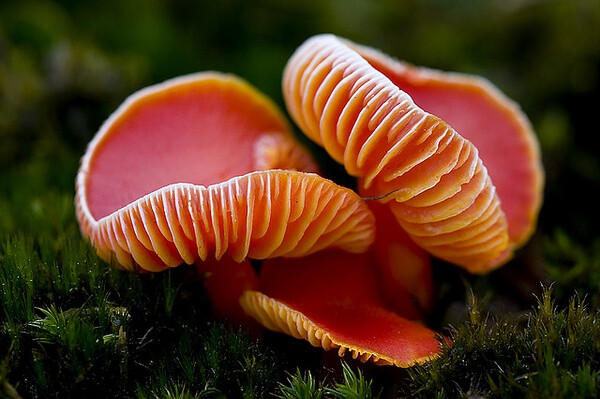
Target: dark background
{"x": 65, "y": 65}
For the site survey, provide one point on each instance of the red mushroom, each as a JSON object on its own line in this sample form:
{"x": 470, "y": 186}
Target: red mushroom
{"x": 364, "y": 304}
{"x": 361, "y": 304}
{"x": 333, "y": 300}
{"x": 191, "y": 169}
{"x": 454, "y": 158}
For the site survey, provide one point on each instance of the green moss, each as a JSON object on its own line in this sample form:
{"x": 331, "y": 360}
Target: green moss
{"x": 305, "y": 386}
{"x": 354, "y": 385}
{"x": 300, "y": 386}
{"x": 72, "y": 325}
{"x": 550, "y": 352}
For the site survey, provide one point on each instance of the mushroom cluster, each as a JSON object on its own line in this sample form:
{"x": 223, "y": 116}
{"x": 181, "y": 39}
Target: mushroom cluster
{"x": 205, "y": 170}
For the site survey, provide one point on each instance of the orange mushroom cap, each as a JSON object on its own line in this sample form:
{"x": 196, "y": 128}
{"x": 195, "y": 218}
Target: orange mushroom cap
{"x": 469, "y": 198}
{"x": 332, "y": 299}
{"x": 191, "y": 168}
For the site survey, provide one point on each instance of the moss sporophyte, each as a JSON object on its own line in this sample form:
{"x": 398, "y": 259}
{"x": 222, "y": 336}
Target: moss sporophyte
{"x": 204, "y": 170}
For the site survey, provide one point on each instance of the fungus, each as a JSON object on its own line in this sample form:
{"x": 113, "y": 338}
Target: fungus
{"x": 192, "y": 169}
{"x": 455, "y": 159}
{"x": 333, "y": 300}
{"x": 362, "y": 303}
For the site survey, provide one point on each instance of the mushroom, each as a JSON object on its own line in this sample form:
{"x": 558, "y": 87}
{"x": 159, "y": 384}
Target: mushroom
{"x": 455, "y": 160}
{"x": 333, "y": 300}
{"x": 193, "y": 169}
{"x": 368, "y": 305}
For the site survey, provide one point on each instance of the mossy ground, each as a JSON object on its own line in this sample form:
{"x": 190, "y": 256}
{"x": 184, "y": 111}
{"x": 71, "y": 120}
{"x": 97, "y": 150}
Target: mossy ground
{"x": 74, "y": 326}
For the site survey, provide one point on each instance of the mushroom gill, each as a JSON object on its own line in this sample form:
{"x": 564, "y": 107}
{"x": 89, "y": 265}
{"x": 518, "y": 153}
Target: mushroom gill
{"x": 454, "y": 158}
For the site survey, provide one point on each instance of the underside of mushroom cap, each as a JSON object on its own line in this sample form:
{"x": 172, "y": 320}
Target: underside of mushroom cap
{"x": 332, "y": 300}
{"x": 259, "y": 215}
{"x": 482, "y": 114}
{"x": 419, "y": 157}
{"x": 188, "y": 169}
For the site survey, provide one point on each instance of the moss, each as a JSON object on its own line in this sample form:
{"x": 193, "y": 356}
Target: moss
{"x": 72, "y": 325}
{"x": 75, "y": 326}
{"x": 549, "y": 352}
{"x": 304, "y": 386}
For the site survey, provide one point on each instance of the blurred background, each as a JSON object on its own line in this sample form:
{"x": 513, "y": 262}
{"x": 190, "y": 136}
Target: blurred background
{"x": 66, "y": 65}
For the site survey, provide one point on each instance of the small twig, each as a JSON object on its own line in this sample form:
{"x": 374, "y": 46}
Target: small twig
{"x": 10, "y": 391}
{"x": 381, "y": 196}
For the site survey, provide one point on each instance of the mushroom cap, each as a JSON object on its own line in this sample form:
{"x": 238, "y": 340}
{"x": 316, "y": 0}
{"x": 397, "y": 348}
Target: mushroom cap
{"x": 332, "y": 299}
{"x": 450, "y": 153}
{"x": 192, "y": 168}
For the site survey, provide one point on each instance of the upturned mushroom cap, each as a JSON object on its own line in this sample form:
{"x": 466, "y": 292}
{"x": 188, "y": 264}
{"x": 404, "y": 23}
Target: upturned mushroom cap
{"x": 333, "y": 300}
{"x": 456, "y": 160}
{"x": 191, "y": 169}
